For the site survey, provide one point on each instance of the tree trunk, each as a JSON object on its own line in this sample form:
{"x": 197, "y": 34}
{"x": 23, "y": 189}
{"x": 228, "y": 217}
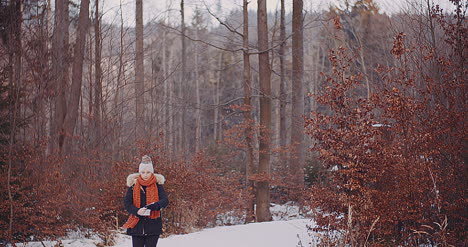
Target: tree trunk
{"x": 41, "y": 115}
{"x": 165, "y": 73}
{"x": 181, "y": 89}
{"x": 250, "y": 216}
{"x": 297, "y": 126}
{"x": 139, "y": 73}
{"x": 91, "y": 123}
{"x": 98, "y": 80}
{"x": 275, "y": 101}
{"x": 170, "y": 110}
{"x": 15, "y": 61}
{"x": 263, "y": 187}
{"x": 198, "y": 135}
{"x": 217, "y": 96}
{"x": 77, "y": 75}
{"x": 283, "y": 86}
{"x": 60, "y": 71}
{"x": 153, "y": 120}
{"x": 116, "y": 118}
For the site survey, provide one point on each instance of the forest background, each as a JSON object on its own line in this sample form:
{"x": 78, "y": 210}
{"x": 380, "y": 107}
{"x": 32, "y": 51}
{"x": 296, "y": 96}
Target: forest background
{"x": 355, "y": 115}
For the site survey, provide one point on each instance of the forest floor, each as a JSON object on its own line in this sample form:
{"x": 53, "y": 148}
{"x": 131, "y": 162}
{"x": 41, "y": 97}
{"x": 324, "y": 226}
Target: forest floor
{"x": 288, "y": 229}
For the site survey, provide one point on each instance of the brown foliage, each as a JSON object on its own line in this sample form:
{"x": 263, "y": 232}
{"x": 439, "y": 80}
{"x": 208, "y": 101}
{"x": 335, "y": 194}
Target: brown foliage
{"x": 49, "y": 200}
{"x": 396, "y": 160}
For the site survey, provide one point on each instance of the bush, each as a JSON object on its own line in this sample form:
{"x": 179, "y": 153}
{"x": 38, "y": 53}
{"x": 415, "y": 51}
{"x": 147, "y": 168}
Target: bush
{"x": 396, "y": 159}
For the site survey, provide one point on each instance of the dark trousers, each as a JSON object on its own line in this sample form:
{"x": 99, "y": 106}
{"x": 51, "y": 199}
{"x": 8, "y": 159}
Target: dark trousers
{"x": 145, "y": 241}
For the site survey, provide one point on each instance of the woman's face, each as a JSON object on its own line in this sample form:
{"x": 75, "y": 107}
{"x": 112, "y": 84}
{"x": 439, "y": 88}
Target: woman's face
{"x": 145, "y": 174}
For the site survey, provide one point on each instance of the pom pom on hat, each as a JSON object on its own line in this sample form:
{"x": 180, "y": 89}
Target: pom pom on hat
{"x": 146, "y": 164}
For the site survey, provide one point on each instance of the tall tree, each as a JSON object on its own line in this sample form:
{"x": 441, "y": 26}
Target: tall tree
{"x": 77, "y": 74}
{"x": 165, "y": 65}
{"x": 297, "y": 128}
{"x": 198, "y": 24}
{"x": 181, "y": 88}
{"x": 283, "y": 86}
{"x": 216, "y": 98}
{"x": 263, "y": 186}
{"x": 120, "y": 77}
{"x": 14, "y": 44}
{"x": 356, "y": 25}
{"x": 247, "y": 112}
{"x": 171, "y": 114}
{"x": 60, "y": 70}
{"x": 139, "y": 72}
{"x": 97, "y": 79}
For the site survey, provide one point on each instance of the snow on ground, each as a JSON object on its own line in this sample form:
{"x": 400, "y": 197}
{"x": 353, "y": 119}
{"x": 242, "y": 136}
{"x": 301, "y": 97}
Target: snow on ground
{"x": 289, "y": 229}
{"x": 291, "y": 233}
{"x": 267, "y": 234}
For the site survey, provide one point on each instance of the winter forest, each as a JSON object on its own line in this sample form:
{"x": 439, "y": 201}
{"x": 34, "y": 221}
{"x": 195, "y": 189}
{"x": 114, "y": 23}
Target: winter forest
{"x": 352, "y": 113}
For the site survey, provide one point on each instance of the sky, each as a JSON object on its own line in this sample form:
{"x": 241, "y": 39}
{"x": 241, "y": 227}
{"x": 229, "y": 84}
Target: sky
{"x": 154, "y": 10}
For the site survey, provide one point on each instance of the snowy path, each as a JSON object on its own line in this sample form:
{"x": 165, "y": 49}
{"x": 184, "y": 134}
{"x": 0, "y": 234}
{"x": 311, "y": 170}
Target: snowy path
{"x": 288, "y": 229}
{"x": 267, "y": 234}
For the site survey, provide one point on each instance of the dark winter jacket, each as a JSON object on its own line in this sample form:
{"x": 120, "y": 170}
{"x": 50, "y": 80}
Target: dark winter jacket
{"x": 145, "y": 226}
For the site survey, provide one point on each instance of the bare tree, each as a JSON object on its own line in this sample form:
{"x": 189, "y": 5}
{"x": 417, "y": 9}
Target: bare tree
{"x": 247, "y": 113}
{"x": 97, "y": 79}
{"x": 216, "y": 96}
{"x": 283, "y": 81}
{"x": 356, "y": 24}
{"x": 77, "y": 74}
{"x": 181, "y": 88}
{"x": 139, "y": 72}
{"x": 263, "y": 186}
{"x": 14, "y": 44}
{"x": 170, "y": 109}
{"x": 60, "y": 71}
{"x": 297, "y": 130}
{"x": 198, "y": 129}
{"x": 165, "y": 63}
{"x": 120, "y": 75}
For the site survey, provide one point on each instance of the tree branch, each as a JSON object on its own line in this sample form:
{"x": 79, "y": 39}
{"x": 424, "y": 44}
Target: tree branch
{"x": 231, "y": 29}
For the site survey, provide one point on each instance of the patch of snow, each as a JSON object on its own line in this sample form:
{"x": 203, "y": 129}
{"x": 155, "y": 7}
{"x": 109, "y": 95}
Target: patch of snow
{"x": 289, "y": 229}
{"x": 83, "y": 242}
{"x": 267, "y": 234}
{"x": 289, "y": 211}
{"x": 381, "y": 125}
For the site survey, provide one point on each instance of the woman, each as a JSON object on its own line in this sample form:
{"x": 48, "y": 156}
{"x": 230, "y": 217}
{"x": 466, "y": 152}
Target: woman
{"x": 144, "y": 200}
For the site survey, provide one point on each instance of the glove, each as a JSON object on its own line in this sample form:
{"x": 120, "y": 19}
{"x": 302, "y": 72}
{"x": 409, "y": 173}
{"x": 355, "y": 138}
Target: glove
{"x": 143, "y": 212}
{"x": 153, "y": 206}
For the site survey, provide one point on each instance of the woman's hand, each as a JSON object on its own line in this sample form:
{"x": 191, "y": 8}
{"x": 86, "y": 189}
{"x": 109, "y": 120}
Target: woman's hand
{"x": 142, "y": 211}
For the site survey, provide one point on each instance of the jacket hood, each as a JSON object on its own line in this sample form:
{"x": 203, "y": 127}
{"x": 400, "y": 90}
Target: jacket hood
{"x": 131, "y": 179}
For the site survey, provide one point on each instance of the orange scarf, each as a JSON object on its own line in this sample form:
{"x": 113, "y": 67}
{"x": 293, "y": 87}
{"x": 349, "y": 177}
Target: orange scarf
{"x": 151, "y": 197}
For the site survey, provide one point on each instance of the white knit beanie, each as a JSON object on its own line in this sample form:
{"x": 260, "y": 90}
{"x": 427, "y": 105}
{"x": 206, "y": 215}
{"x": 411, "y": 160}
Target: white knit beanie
{"x": 146, "y": 164}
